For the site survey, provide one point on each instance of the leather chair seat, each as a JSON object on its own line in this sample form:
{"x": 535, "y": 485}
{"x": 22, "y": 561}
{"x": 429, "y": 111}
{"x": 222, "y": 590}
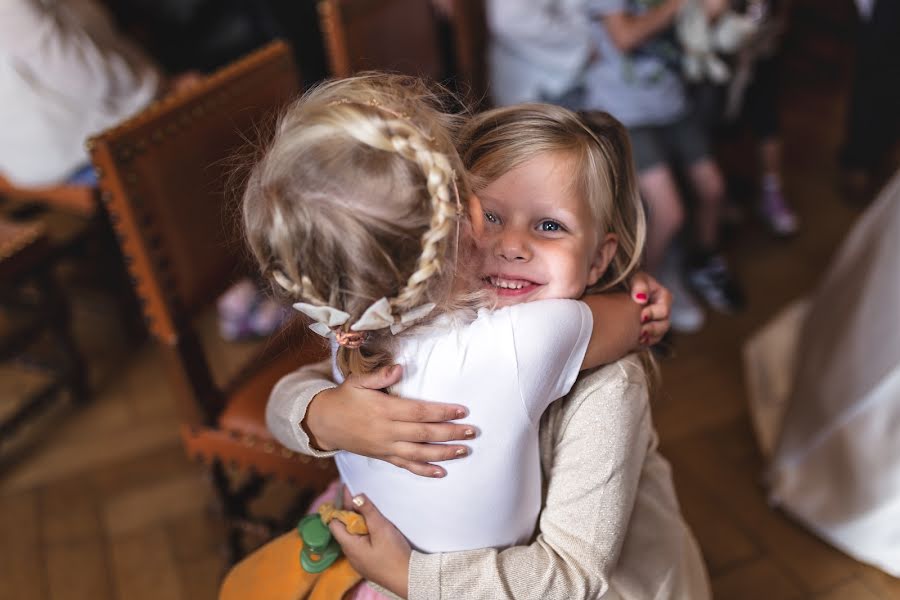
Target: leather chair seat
{"x": 245, "y": 412}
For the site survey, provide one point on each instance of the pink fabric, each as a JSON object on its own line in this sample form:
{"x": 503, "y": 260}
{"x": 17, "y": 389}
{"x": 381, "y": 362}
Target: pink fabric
{"x": 364, "y": 592}
{"x": 361, "y": 591}
{"x": 329, "y": 495}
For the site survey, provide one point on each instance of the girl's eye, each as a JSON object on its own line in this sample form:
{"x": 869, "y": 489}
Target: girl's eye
{"x": 550, "y": 226}
{"x": 491, "y": 217}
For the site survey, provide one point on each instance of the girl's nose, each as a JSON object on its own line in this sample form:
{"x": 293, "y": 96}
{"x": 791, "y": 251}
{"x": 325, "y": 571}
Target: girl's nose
{"x": 512, "y": 247}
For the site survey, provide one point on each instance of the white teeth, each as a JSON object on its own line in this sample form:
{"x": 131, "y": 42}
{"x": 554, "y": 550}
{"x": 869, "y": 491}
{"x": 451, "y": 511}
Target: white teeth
{"x": 506, "y": 284}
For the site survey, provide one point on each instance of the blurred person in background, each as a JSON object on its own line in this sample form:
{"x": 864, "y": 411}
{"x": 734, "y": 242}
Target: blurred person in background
{"x": 65, "y": 74}
{"x": 638, "y": 79}
{"x": 873, "y": 118}
{"x": 538, "y": 51}
{"x": 750, "y": 102}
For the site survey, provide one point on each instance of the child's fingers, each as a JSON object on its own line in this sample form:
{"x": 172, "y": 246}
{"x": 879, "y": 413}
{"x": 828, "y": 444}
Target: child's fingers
{"x": 640, "y": 289}
{"x": 655, "y": 312}
{"x": 428, "y": 452}
{"x": 416, "y": 411}
{"x": 374, "y": 519}
{"x": 349, "y": 542}
{"x": 431, "y": 432}
{"x": 653, "y": 332}
{"x": 423, "y": 469}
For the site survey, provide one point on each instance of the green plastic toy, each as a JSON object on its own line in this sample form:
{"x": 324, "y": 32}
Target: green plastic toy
{"x": 320, "y": 549}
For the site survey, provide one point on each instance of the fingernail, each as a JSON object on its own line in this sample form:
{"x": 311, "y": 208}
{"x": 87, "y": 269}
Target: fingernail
{"x": 645, "y": 318}
{"x": 461, "y": 451}
{"x": 640, "y": 297}
{"x": 437, "y": 473}
{"x": 460, "y": 413}
{"x": 358, "y": 501}
{"x": 469, "y": 433}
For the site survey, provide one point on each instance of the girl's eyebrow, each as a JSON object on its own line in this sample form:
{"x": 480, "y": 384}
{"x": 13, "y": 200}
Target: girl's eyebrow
{"x": 482, "y": 196}
{"x": 556, "y": 210}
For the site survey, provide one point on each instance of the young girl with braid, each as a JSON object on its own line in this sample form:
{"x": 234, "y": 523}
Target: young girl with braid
{"x": 356, "y": 212}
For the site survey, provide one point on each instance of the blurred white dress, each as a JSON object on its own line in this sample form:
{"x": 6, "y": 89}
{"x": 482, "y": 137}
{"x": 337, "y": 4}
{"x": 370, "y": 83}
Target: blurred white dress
{"x": 824, "y": 384}
{"x": 65, "y": 73}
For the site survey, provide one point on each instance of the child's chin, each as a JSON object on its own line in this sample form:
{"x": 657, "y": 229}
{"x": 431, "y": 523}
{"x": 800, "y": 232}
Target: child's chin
{"x": 513, "y": 299}
{"x": 505, "y": 301}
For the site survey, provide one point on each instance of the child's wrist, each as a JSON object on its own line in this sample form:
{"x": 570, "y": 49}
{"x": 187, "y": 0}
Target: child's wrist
{"x": 313, "y": 424}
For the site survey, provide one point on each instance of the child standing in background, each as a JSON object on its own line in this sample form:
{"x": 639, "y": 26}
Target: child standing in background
{"x": 638, "y": 81}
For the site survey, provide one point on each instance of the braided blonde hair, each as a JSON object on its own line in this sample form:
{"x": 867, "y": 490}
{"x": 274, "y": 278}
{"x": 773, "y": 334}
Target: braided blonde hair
{"x": 356, "y": 199}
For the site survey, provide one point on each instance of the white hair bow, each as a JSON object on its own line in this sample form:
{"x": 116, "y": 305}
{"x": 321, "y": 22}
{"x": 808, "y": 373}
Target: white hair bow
{"x": 325, "y": 318}
{"x": 377, "y": 316}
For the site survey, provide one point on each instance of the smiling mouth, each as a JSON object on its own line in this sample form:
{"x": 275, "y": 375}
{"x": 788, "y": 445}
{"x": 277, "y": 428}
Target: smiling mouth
{"x": 505, "y": 286}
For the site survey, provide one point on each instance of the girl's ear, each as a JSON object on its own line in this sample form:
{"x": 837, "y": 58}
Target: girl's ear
{"x": 476, "y": 215}
{"x": 606, "y": 250}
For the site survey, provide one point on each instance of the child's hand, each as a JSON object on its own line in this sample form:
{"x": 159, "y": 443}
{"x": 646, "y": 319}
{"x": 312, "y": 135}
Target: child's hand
{"x": 357, "y": 417}
{"x": 383, "y": 555}
{"x": 655, "y": 315}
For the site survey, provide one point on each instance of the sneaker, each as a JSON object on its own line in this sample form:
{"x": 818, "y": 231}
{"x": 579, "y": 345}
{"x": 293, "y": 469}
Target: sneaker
{"x": 686, "y": 315}
{"x": 712, "y": 281}
{"x": 774, "y": 209}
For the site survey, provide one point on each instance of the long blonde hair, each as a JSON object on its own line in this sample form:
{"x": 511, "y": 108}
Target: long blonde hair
{"x": 499, "y": 140}
{"x": 356, "y": 199}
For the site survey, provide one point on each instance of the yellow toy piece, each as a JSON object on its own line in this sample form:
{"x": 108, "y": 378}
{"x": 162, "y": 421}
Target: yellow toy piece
{"x": 354, "y": 522}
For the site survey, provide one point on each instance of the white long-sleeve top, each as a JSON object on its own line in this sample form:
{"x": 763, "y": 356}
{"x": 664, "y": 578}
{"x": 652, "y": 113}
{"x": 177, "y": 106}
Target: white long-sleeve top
{"x": 505, "y": 366}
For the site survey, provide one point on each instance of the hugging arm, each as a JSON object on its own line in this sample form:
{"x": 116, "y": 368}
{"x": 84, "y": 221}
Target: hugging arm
{"x": 308, "y": 413}
{"x": 624, "y": 324}
{"x": 629, "y": 31}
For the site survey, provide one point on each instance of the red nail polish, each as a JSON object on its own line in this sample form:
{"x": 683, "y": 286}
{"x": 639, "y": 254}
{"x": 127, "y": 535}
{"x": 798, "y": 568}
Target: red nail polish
{"x": 645, "y": 318}
{"x": 641, "y": 297}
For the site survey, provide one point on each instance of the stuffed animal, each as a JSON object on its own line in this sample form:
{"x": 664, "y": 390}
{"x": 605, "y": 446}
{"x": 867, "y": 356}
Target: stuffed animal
{"x": 703, "y": 40}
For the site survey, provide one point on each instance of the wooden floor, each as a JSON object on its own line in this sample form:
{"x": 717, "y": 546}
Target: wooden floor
{"x": 101, "y": 503}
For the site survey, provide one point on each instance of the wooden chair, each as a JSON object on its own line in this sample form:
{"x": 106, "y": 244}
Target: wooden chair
{"x": 163, "y": 176}
{"x": 79, "y": 229}
{"x": 33, "y": 306}
{"x": 402, "y": 36}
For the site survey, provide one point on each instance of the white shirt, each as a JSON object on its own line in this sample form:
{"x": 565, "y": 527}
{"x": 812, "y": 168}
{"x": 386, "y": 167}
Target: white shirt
{"x": 506, "y": 367}
{"x": 538, "y": 49}
{"x": 65, "y": 74}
